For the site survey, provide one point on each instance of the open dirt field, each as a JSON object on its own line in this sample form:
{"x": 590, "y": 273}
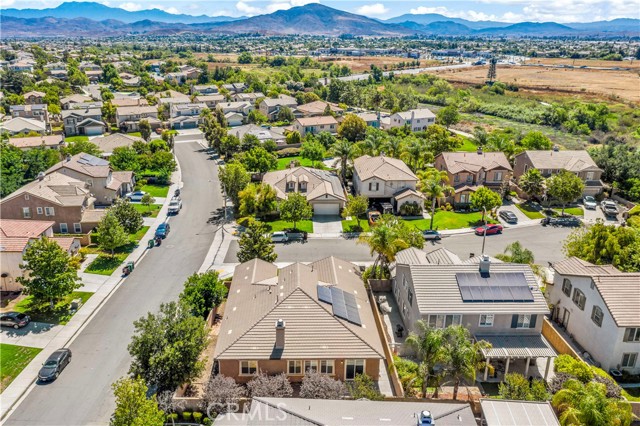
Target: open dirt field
{"x": 359, "y": 64}
{"x": 621, "y": 84}
{"x": 587, "y": 62}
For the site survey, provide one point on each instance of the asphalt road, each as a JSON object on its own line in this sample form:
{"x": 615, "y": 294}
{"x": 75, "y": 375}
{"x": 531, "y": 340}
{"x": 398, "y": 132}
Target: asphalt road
{"x": 544, "y": 242}
{"x": 82, "y": 394}
{"x": 365, "y": 76}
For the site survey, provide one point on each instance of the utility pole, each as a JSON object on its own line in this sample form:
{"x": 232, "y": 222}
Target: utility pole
{"x": 484, "y": 234}
{"x": 491, "y": 75}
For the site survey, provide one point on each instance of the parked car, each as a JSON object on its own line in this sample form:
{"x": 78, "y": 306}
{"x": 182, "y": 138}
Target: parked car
{"x": 609, "y": 208}
{"x": 135, "y": 196}
{"x": 373, "y": 217}
{"x": 508, "y": 216}
{"x": 279, "y": 237}
{"x": 14, "y": 319}
{"x": 54, "y": 365}
{"x": 163, "y": 230}
{"x": 570, "y": 221}
{"x": 430, "y": 234}
{"x": 489, "y": 229}
{"x": 589, "y": 202}
{"x": 175, "y": 205}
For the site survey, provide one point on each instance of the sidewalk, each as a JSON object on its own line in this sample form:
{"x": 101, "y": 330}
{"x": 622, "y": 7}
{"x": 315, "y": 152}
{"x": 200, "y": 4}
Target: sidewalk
{"x": 64, "y": 335}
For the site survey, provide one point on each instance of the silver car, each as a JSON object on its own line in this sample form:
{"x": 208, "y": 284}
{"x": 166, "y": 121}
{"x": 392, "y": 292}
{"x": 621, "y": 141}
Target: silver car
{"x": 279, "y": 237}
{"x": 175, "y": 205}
{"x": 589, "y": 202}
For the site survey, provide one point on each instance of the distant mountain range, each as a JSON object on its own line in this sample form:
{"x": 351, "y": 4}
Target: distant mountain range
{"x": 87, "y": 19}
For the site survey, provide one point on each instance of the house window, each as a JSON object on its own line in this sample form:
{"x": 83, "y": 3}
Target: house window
{"x": 64, "y": 228}
{"x": 486, "y": 320}
{"x": 371, "y": 186}
{"x": 26, "y": 212}
{"x": 248, "y": 368}
{"x": 524, "y": 321}
{"x": 39, "y": 210}
{"x": 26, "y": 197}
{"x": 326, "y": 366}
{"x": 442, "y": 321}
{"x": 497, "y": 176}
{"x": 469, "y": 178}
{"x": 303, "y": 186}
{"x": 77, "y": 228}
{"x": 632, "y": 335}
{"x": 353, "y": 367}
{"x": 589, "y": 175}
{"x": 291, "y": 186}
{"x": 295, "y": 367}
{"x": 310, "y": 366}
{"x": 49, "y": 211}
{"x": 566, "y": 287}
{"x": 596, "y": 316}
{"x": 464, "y": 198}
{"x": 629, "y": 360}
{"x": 410, "y": 296}
{"x": 579, "y": 298}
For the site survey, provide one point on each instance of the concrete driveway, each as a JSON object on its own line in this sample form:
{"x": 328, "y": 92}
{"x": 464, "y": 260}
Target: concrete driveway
{"x": 327, "y": 225}
{"x": 35, "y": 334}
{"x": 522, "y": 218}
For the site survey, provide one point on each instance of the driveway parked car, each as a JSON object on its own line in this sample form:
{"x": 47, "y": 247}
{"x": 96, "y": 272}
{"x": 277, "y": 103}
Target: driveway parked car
{"x": 135, "y": 196}
{"x": 54, "y": 365}
{"x": 175, "y": 205}
{"x": 430, "y": 234}
{"x": 279, "y": 237}
{"x": 589, "y": 202}
{"x": 14, "y": 319}
{"x": 508, "y": 216}
{"x": 570, "y": 221}
{"x": 489, "y": 229}
{"x": 609, "y": 208}
{"x": 163, "y": 230}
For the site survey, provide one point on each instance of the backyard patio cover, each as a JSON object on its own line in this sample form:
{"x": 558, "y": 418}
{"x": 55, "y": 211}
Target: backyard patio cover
{"x": 517, "y": 346}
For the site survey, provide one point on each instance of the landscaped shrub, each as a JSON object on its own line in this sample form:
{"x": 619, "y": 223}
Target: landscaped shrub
{"x": 197, "y": 417}
{"x": 568, "y": 364}
{"x": 288, "y": 152}
{"x": 613, "y": 390}
{"x": 172, "y": 417}
{"x": 410, "y": 209}
{"x": 379, "y": 273}
{"x": 186, "y": 416}
{"x": 558, "y": 381}
{"x": 207, "y": 421}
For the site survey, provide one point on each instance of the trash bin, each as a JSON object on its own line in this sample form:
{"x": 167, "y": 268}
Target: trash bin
{"x": 151, "y": 243}
{"x": 131, "y": 266}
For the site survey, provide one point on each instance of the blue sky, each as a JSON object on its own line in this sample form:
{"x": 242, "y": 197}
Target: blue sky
{"x": 503, "y": 10}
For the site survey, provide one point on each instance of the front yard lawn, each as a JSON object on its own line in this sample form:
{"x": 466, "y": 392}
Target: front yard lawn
{"x": 60, "y": 314}
{"x": 450, "y": 220}
{"x": 156, "y": 190}
{"x": 573, "y": 211}
{"x": 13, "y": 359}
{"x": 76, "y": 139}
{"x": 105, "y": 264}
{"x": 530, "y": 211}
{"x": 352, "y": 225}
{"x": 281, "y": 225}
{"x": 151, "y": 211}
{"x": 283, "y": 162}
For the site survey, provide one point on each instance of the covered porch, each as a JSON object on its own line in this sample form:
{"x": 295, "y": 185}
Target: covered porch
{"x": 516, "y": 352}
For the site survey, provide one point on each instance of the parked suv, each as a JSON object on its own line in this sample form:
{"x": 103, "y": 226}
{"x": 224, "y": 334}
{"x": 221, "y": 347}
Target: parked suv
{"x": 609, "y": 208}
{"x": 175, "y": 205}
{"x": 14, "y": 319}
{"x": 508, "y": 216}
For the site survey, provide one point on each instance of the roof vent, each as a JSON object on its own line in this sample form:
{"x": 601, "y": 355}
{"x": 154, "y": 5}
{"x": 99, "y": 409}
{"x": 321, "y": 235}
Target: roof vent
{"x": 68, "y": 157}
{"x": 426, "y": 419}
{"x": 41, "y": 176}
{"x": 485, "y": 265}
{"x": 280, "y": 328}
{"x": 479, "y": 150}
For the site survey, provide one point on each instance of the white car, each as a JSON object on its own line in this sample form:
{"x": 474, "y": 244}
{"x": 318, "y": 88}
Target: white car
{"x": 135, "y": 196}
{"x": 279, "y": 237}
{"x": 175, "y": 205}
{"x": 589, "y": 202}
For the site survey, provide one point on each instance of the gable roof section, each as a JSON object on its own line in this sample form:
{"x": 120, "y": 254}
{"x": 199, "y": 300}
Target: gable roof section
{"x": 36, "y": 141}
{"x": 456, "y": 162}
{"x": 319, "y": 182}
{"x": 56, "y": 188}
{"x": 24, "y": 228}
{"x": 115, "y": 140}
{"x": 621, "y": 294}
{"x": 385, "y": 168}
{"x": 85, "y": 164}
{"x": 573, "y": 161}
{"x": 19, "y": 124}
{"x": 320, "y": 120}
{"x": 581, "y": 268}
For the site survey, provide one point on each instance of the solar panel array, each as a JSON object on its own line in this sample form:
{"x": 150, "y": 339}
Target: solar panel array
{"x": 343, "y": 305}
{"x": 495, "y": 287}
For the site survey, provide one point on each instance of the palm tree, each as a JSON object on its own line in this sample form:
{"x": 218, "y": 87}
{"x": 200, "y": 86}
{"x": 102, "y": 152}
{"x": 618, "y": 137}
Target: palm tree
{"x": 505, "y": 144}
{"x": 415, "y": 153}
{"x": 515, "y": 253}
{"x": 373, "y": 143}
{"x": 532, "y": 183}
{"x": 433, "y": 184}
{"x": 463, "y": 355}
{"x": 428, "y": 345}
{"x": 394, "y": 147}
{"x": 344, "y": 150}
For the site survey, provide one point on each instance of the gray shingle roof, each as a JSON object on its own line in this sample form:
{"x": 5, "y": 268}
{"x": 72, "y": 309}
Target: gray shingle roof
{"x": 472, "y": 161}
{"x": 319, "y": 182}
{"x": 621, "y": 294}
{"x": 573, "y": 161}
{"x": 385, "y": 168}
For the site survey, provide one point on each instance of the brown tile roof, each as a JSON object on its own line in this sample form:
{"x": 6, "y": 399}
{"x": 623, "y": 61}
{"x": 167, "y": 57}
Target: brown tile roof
{"x": 573, "y": 161}
{"x": 582, "y": 268}
{"x": 36, "y": 141}
{"x": 138, "y": 109}
{"x": 56, "y": 188}
{"x": 93, "y": 215}
{"x": 319, "y": 182}
{"x": 473, "y": 162}
{"x": 13, "y": 245}
{"x": 621, "y": 294}
{"x": 385, "y": 168}
{"x": 316, "y": 121}
{"x": 115, "y": 140}
{"x": 128, "y": 102}
{"x": 65, "y": 243}
{"x": 317, "y": 107}
{"x": 24, "y": 228}
{"x": 84, "y": 163}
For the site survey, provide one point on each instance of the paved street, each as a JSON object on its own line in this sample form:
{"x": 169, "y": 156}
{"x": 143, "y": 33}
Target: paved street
{"x": 82, "y": 394}
{"x": 365, "y": 76}
{"x": 545, "y": 242}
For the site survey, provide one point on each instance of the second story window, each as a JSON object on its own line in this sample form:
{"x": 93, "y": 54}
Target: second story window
{"x": 632, "y": 334}
{"x": 410, "y": 297}
{"x": 566, "y": 287}
{"x": 579, "y": 298}
{"x": 456, "y": 178}
{"x": 497, "y": 176}
{"x": 291, "y": 186}
{"x": 486, "y": 320}
{"x": 26, "y": 212}
{"x": 596, "y": 316}
{"x": 49, "y": 211}
{"x": 303, "y": 186}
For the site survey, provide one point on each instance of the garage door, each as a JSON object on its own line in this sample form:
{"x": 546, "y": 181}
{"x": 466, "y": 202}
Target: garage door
{"x": 93, "y": 131}
{"x": 326, "y": 209}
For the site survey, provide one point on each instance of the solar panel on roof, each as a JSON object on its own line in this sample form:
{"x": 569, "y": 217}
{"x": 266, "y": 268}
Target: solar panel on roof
{"x": 495, "y": 287}
{"x": 324, "y": 294}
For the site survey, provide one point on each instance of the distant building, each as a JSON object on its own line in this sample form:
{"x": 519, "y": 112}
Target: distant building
{"x": 416, "y": 119}
{"x": 315, "y": 125}
{"x": 30, "y": 142}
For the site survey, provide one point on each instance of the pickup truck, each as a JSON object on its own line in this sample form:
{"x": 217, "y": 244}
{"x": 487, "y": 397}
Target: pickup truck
{"x": 609, "y": 208}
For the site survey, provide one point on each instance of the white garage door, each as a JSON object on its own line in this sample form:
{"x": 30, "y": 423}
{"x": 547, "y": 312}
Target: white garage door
{"x": 326, "y": 209}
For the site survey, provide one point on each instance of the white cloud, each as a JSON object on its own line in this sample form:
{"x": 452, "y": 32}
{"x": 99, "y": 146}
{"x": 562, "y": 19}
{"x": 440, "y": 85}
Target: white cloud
{"x": 171, "y": 10}
{"x": 131, "y": 7}
{"x": 6, "y": 3}
{"x": 375, "y": 9}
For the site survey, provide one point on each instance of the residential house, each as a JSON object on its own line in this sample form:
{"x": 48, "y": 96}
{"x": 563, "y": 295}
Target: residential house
{"x": 89, "y": 66}
{"x": 25, "y": 126}
{"x": 504, "y": 412}
{"x": 314, "y": 412}
{"x": 169, "y": 97}
{"x": 190, "y": 72}
{"x": 551, "y": 162}
{"x": 235, "y": 112}
{"x": 129, "y": 79}
{"x": 323, "y": 189}
{"x": 317, "y": 108}
{"x": 30, "y": 142}
{"x": 270, "y": 107}
{"x": 59, "y": 74}
{"x": 234, "y": 119}
{"x": 110, "y": 142}
{"x": 298, "y": 318}
{"x": 235, "y": 87}
{"x": 57, "y": 197}
{"x": 129, "y": 102}
{"x": 497, "y": 302}
{"x": 204, "y": 89}
{"x": 105, "y": 184}
{"x": 32, "y": 111}
{"x": 71, "y": 101}
{"x": 386, "y": 179}
{"x": 598, "y": 306}
{"x": 263, "y": 134}
{"x": 86, "y": 121}
{"x": 468, "y": 171}
{"x": 210, "y": 100}
{"x": 186, "y": 116}
{"x": 128, "y": 118}
{"x": 247, "y": 97}
{"x": 55, "y": 66}
{"x": 315, "y": 125}
{"x": 34, "y": 98}
{"x": 22, "y": 66}
{"x": 94, "y": 76}
{"x": 416, "y": 119}
{"x": 371, "y": 118}
{"x": 176, "y": 77}
{"x": 15, "y": 237}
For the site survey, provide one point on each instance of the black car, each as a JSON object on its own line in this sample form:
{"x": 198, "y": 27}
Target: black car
{"x": 14, "y": 319}
{"x": 54, "y": 365}
{"x": 508, "y": 216}
{"x": 163, "y": 230}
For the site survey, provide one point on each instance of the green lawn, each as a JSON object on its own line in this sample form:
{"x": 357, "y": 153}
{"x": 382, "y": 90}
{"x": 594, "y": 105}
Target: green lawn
{"x": 529, "y": 211}
{"x": 156, "y": 190}
{"x": 352, "y": 225}
{"x": 283, "y": 163}
{"x": 13, "y": 359}
{"x": 151, "y": 211}
{"x": 60, "y": 313}
{"x": 450, "y": 220}
{"x": 105, "y": 264}
{"x": 76, "y": 139}
{"x": 135, "y": 134}
{"x": 281, "y": 225}
{"x": 468, "y": 145}
{"x": 574, "y": 211}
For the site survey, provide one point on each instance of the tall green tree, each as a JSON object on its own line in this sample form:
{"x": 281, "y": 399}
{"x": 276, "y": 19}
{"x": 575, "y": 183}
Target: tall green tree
{"x": 536, "y": 141}
{"x": 233, "y": 178}
{"x": 11, "y": 168}
{"x": 416, "y": 153}
{"x": 111, "y": 234}
{"x": 532, "y": 183}
{"x": 428, "y": 344}
{"x": 133, "y": 408}
{"x": 433, "y": 184}
{"x": 49, "y": 275}
{"x": 203, "y": 292}
{"x": 229, "y": 145}
{"x": 515, "y": 253}
{"x": 440, "y": 140}
{"x": 313, "y": 151}
{"x": 166, "y": 347}
{"x": 258, "y": 160}
{"x": 38, "y": 160}
{"x": 285, "y": 114}
{"x": 125, "y": 158}
{"x": 130, "y": 219}
{"x": 255, "y": 243}
{"x": 448, "y": 116}
{"x": 352, "y": 128}
{"x": 463, "y": 355}
{"x": 565, "y": 187}
{"x": 356, "y": 206}
{"x": 145, "y": 129}
{"x": 484, "y": 198}
{"x": 295, "y": 208}
{"x": 87, "y": 147}
{"x": 345, "y": 151}
{"x": 257, "y": 200}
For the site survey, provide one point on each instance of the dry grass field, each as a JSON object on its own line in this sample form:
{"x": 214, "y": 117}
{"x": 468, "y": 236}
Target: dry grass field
{"x": 587, "y": 62}
{"x": 359, "y": 64}
{"x": 623, "y": 85}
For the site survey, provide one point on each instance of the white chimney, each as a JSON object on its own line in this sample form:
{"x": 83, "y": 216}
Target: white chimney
{"x": 280, "y": 327}
{"x": 485, "y": 265}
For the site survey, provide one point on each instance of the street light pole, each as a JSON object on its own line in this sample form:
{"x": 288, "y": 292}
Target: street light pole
{"x": 484, "y": 234}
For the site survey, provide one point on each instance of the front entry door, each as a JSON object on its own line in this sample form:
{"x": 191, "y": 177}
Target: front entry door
{"x": 565, "y": 317}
